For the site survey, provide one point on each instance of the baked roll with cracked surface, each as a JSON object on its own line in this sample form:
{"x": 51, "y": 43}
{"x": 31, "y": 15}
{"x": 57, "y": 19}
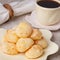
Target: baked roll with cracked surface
{"x": 34, "y": 52}
{"x": 9, "y": 48}
{"x": 24, "y": 44}
{"x": 36, "y": 34}
{"x": 43, "y": 42}
{"x": 24, "y": 30}
{"x": 11, "y": 36}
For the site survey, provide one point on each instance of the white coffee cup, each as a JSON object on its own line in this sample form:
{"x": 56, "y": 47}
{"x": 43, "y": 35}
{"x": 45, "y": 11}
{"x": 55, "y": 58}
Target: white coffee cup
{"x": 47, "y": 16}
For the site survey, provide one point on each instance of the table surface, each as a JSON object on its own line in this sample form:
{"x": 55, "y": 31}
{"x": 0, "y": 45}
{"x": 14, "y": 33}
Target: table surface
{"x": 13, "y": 22}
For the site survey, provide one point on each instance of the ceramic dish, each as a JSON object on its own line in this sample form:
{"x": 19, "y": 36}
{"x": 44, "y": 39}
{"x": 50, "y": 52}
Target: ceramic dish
{"x": 33, "y": 20}
{"x": 51, "y": 49}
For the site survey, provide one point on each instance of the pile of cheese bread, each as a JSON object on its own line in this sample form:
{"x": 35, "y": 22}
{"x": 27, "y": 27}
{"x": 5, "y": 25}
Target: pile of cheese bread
{"x": 24, "y": 39}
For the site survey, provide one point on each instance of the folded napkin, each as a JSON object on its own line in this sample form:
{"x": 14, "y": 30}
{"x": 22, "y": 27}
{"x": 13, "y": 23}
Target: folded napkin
{"x": 18, "y": 7}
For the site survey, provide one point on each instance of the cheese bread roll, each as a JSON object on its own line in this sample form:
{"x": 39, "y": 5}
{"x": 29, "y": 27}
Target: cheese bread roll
{"x": 24, "y": 30}
{"x": 34, "y": 52}
{"x": 11, "y": 36}
{"x": 9, "y": 48}
{"x": 36, "y": 35}
{"x": 23, "y": 44}
{"x": 43, "y": 43}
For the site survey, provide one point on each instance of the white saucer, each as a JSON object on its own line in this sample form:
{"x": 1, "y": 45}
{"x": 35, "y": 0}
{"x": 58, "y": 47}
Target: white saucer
{"x": 33, "y": 20}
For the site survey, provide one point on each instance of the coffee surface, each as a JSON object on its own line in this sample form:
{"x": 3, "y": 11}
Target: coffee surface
{"x": 49, "y": 4}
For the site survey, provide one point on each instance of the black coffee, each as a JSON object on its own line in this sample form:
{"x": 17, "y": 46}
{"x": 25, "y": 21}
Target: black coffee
{"x": 48, "y": 4}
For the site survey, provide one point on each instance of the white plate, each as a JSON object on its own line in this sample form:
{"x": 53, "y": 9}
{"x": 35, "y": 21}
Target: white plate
{"x": 52, "y": 47}
{"x": 33, "y": 20}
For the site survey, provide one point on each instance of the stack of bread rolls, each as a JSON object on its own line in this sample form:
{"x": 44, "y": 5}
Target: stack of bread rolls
{"x": 24, "y": 39}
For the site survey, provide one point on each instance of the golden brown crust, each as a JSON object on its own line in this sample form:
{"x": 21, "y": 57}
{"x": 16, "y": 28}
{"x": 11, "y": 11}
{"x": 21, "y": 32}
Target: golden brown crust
{"x": 34, "y": 52}
{"x": 11, "y": 37}
{"x": 24, "y": 44}
{"x": 43, "y": 43}
{"x": 9, "y": 48}
{"x": 36, "y": 34}
{"x": 24, "y": 30}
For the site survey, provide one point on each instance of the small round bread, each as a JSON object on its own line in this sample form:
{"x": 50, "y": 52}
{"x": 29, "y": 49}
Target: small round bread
{"x": 11, "y": 36}
{"x": 9, "y": 48}
{"x": 23, "y": 44}
{"x": 34, "y": 52}
{"x": 36, "y": 35}
{"x": 24, "y": 30}
{"x": 43, "y": 43}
